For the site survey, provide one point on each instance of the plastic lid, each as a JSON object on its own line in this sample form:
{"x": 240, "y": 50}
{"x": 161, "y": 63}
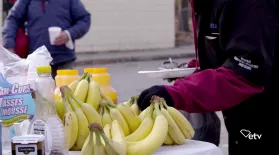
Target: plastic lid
{"x": 96, "y": 70}
{"x": 43, "y": 69}
{"x": 67, "y": 72}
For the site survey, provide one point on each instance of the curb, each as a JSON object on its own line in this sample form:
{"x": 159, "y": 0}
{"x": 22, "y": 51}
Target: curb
{"x": 129, "y": 59}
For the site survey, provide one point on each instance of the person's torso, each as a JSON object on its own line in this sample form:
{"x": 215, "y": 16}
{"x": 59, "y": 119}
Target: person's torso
{"x": 254, "y": 114}
{"x": 43, "y": 14}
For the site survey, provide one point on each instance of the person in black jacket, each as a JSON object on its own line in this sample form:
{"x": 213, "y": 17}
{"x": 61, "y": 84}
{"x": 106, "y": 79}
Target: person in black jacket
{"x": 238, "y": 56}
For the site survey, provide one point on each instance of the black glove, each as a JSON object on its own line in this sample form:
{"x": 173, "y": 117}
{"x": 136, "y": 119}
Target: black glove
{"x": 145, "y": 96}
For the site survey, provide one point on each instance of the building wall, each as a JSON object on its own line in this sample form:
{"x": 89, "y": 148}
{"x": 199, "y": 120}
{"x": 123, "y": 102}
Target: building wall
{"x": 128, "y": 25}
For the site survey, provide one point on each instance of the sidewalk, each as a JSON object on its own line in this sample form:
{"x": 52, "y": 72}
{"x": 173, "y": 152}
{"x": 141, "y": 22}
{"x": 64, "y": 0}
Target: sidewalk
{"x": 124, "y": 56}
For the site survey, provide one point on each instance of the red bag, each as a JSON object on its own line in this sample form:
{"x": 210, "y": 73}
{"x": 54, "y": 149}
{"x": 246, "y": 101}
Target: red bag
{"x": 21, "y": 43}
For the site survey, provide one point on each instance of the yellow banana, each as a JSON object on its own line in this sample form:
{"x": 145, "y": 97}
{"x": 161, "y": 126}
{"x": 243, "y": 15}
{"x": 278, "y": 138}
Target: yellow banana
{"x": 70, "y": 125}
{"x": 60, "y": 109}
{"x": 94, "y": 94}
{"x": 154, "y": 140}
{"x": 143, "y": 114}
{"x": 90, "y": 113}
{"x": 135, "y": 109}
{"x": 73, "y": 85}
{"x": 168, "y": 140}
{"x": 83, "y": 130}
{"x": 82, "y": 89}
{"x": 174, "y": 131}
{"x": 181, "y": 121}
{"x": 130, "y": 117}
{"x": 143, "y": 130}
{"x": 107, "y": 130}
{"x": 116, "y": 145}
{"x": 106, "y": 119}
{"x": 154, "y": 114}
{"x": 88, "y": 147}
{"x": 99, "y": 148}
{"x": 116, "y": 115}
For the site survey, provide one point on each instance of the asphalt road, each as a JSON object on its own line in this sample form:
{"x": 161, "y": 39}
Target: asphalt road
{"x": 127, "y": 82}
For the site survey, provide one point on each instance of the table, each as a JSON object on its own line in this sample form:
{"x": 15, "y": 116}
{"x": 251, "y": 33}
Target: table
{"x": 191, "y": 147}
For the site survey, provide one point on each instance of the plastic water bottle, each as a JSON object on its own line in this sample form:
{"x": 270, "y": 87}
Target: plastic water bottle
{"x": 46, "y": 120}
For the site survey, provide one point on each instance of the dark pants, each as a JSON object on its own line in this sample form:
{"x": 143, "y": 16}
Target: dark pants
{"x": 61, "y": 66}
{"x": 207, "y": 126}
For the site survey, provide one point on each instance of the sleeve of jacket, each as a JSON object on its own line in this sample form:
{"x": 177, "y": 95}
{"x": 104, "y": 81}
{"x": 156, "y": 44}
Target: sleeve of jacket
{"x": 81, "y": 20}
{"x": 253, "y": 27}
{"x": 15, "y": 17}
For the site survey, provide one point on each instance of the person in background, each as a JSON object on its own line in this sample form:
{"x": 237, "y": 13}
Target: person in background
{"x": 239, "y": 72}
{"x": 70, "y": 15}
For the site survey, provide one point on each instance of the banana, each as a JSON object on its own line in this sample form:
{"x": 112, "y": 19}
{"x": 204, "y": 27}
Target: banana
{"x": 73, "y": 85}
{"x": 116, "y": 145}
{"x": 181, "y": 121}
{"x": 60, "y": 109}
{"x": 107, "y": 130}
{"x": 154, "y": 140}
{"x": 174, "y": 132}
{"x": 83, "y": 130}
{"x": 130, "y": 117}
{"x": 144, "y": 129}
{"x": 94, "y": 94}
{"x": 82, "y": 89}
{"x": 143, "y": 114}
{"x": 99, "y": 148}
{"x": 116, "y": 115}
{"x": 90, "y": 113}
{"x": 168, "y": 140}
{"x": 106, "y": 119}
{"x": 88, "y": 147}
{"x": 135, "y": 109}
{"x": 70, "y": 125}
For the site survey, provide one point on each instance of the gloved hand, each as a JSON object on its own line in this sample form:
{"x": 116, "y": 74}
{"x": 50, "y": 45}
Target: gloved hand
{"x": 145, "y": 96}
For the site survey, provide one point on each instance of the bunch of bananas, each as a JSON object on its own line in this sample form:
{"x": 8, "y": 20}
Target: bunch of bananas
{"x": 117, "y": 129}
{"x": 77, "y": 117}
{"x": 107, "y": 141}
{"x": 123, "y": 113}
{"x": 86, "y": 90}
{"x": 122, "y": 132}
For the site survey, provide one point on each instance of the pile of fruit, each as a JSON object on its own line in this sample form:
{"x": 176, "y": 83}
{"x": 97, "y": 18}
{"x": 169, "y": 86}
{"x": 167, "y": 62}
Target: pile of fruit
{"x": 95, "y": 125}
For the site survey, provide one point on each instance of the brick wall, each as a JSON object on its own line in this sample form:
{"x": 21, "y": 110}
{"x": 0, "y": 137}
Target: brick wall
{"x": 128, "y": 25}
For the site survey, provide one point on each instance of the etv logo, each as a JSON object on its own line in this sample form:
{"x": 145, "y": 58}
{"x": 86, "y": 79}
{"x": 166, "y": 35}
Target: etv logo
{"x": 249, "y": 135}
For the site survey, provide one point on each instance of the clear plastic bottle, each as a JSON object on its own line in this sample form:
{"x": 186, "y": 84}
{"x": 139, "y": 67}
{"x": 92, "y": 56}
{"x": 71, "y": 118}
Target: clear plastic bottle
{"x": 46, "y": 120}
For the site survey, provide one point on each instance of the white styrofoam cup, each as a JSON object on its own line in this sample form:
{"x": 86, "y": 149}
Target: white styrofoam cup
{"x": 53, "y": 33}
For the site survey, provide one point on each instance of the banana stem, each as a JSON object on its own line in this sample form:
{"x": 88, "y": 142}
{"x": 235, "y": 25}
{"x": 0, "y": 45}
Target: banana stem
{"x": 161, "y": 105}
{"x": 88, "y": 77}
{"x": 98, "y": 137}
{"x": 150, "y": 112}
{"x": 82, "y": 77}
{"x": 107, "y": 99}
{"x": 101, "y": 111}
{"x": 65, "y": 98}
{"x": 164, "y": 103}
{"x": 95, "y": 127}
{"x": 108, "y": 108}
{"x": 157, "y": 110}
{"x": 72, "y": 103}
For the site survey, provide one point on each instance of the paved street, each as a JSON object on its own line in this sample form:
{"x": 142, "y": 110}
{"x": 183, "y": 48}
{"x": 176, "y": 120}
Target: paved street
{"x": 127, "y": 82}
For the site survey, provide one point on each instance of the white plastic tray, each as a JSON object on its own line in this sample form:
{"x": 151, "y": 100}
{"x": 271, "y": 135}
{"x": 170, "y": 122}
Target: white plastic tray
{"x": 191, "y": 147}
{"x": 169, "y": 73}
